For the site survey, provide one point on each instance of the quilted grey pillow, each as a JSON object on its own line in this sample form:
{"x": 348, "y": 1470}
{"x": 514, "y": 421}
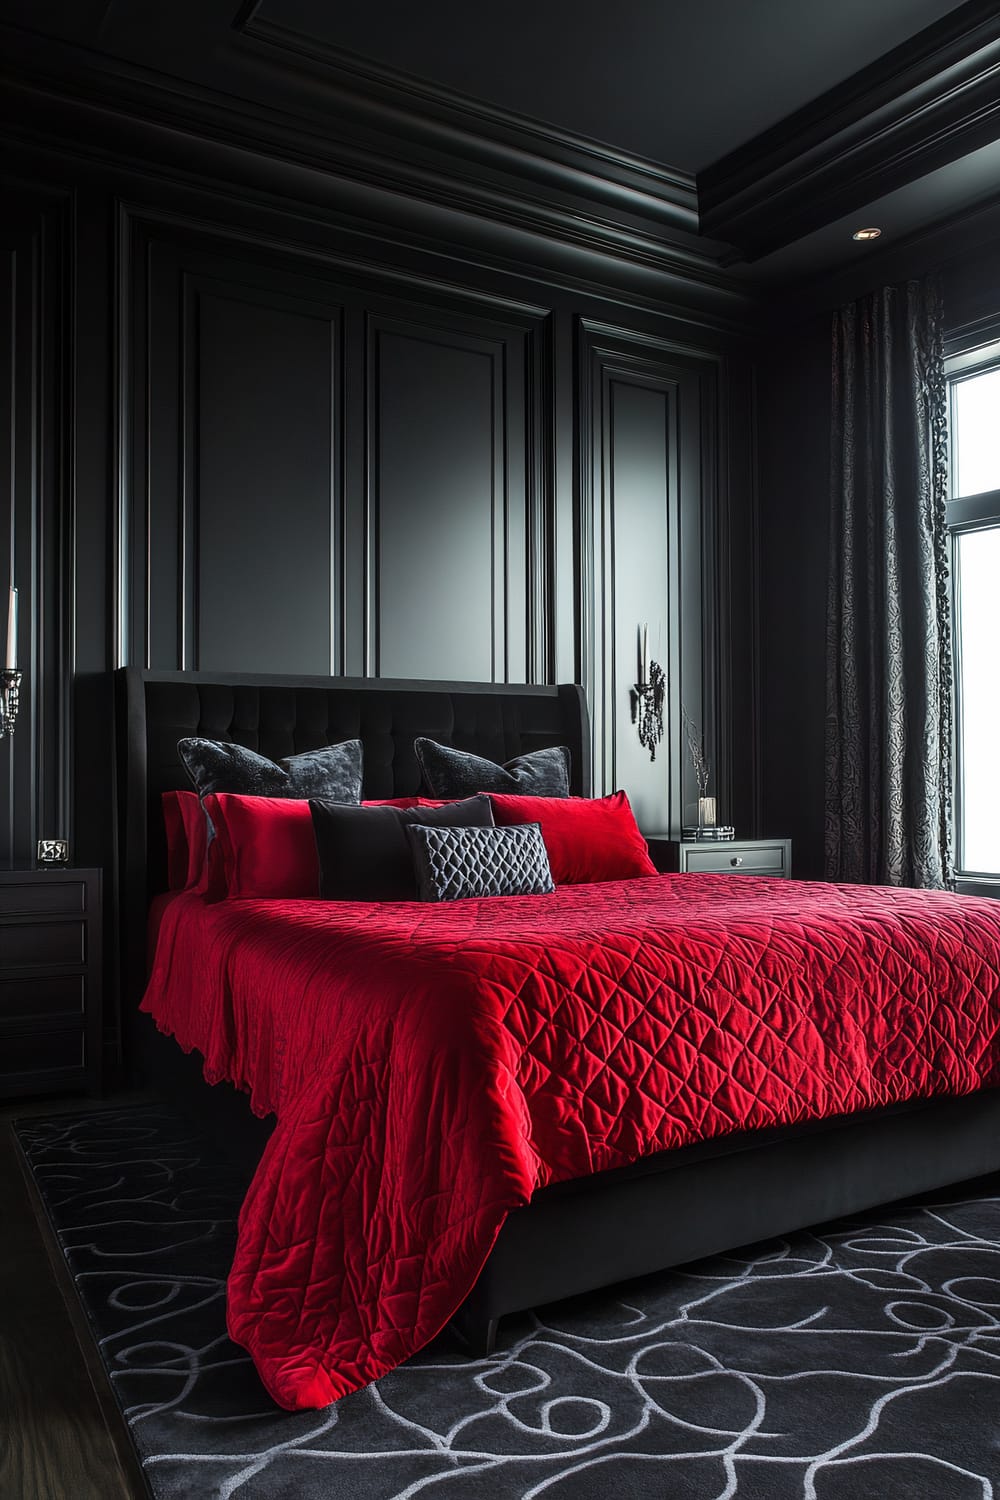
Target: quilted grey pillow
{"x": 332, "y": 772}
{"x": 453, "y": 863}
{"x": 456, "y": 773}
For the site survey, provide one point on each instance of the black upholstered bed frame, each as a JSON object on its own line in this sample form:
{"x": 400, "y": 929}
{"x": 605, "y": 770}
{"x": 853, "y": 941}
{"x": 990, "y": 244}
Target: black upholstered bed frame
{"x": 577, "y": 1236}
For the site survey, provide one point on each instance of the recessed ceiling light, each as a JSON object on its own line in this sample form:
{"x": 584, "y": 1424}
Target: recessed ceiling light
{"x": 866, "y": 234}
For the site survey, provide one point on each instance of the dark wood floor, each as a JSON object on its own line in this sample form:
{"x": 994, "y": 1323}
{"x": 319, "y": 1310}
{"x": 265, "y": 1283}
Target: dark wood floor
{"x": 61, "y": 1434}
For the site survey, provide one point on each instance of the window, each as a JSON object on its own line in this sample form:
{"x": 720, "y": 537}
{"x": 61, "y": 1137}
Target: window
{"x": 974, "y": 521}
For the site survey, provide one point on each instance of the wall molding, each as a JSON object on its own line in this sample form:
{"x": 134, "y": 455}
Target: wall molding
{"x": 165, "y": 263}
{"x": 559, "y": 247}
{"x": 926, "y": 103}
{"x": 487, "y": 135}
{"x": 198, "y": 288}
{"x": 287, "y": 117}
{"x": 429, "y": 331}
{"x": 164, "y": 282}
{"x": 38, "y": 455}
{"x": 624, "y": 215}
{"x": 695, "y": 659}
{"x": 522, "y": 570}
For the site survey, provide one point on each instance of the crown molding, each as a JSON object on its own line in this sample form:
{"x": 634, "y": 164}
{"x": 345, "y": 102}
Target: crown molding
{"x": 136, "y": 124}
{"x": 928, "y": 102}
{"x": 65, "y": 94}
{"x": 432, "y": 116}
{"x": 346, "y": 140}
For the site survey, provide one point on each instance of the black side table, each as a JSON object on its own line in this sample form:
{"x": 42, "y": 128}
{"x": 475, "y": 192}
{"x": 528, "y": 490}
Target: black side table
{"x": 50, "y": 981}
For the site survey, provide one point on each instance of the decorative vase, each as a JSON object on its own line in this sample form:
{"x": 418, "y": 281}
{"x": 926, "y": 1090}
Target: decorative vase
{"x": 706, "y": 812}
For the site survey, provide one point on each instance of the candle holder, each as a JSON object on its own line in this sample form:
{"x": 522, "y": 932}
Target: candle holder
{"x": 10, "y": 683}
{"x": 647, "y": 700}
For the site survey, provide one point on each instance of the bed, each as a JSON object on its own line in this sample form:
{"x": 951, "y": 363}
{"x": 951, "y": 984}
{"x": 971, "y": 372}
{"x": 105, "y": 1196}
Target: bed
{"x": 557, "y": 1206}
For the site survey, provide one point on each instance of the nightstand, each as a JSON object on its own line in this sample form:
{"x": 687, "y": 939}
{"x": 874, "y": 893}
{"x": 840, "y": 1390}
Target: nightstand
{"x": 770, "y": 857}
{"x": 50, "y": 981}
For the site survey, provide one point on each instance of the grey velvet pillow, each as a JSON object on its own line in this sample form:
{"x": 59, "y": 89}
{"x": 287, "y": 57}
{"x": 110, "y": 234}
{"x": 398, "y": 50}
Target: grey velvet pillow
{"x": 332, "y": 772}
{"x": 452, "y": 864}
{"x": 456, "y": 773}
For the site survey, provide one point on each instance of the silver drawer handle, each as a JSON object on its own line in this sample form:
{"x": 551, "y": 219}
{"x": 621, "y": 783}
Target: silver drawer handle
{"x": 736, "y": 861}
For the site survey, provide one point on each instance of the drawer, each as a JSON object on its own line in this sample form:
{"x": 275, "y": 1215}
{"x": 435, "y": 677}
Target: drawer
{"x": 760, "y": 859}
{"x": 24, "y": 1000}
{"x": 40, "y": 898}
{"x": 41, "y": 1052}
{"x": 42, "y": 944}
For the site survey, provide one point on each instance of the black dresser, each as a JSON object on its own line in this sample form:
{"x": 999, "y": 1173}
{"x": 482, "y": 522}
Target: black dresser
{"x": 50, "y": 981}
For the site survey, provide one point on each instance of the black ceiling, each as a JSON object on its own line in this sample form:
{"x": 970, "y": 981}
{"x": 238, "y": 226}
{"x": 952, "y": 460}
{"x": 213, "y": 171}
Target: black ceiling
{"x": 747, "y": 137}
{"x": 681, "y": 82}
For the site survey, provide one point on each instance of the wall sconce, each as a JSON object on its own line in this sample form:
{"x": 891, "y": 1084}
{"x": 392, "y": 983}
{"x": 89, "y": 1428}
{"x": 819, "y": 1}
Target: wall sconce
{"x": 10, "y": 677}
{"x": 10, "y": 683}
{"x": 647, "y": 697}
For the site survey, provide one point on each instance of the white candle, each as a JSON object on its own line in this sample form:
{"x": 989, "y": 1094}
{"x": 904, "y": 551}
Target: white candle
{"x": 12, "y": 631}
{"x": 645, "y": 654}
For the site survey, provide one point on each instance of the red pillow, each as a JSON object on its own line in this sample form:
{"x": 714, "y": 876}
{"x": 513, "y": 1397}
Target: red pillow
{"x": 586, "y": 838}
{"x": 266, "y": 848}
{"x": 184, "y": 820}
{"x": 211, "y": 882}
{"x": 196, "y": 828}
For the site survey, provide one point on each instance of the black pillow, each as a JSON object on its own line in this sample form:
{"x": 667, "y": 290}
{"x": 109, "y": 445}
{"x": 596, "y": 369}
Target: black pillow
{"x": 454, "y": 863}
{"x": 364, "y": 854}
{"x": 332, "y": 772}
{"x": 456, "y": 773}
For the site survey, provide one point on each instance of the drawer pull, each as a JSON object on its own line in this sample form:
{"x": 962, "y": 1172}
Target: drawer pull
{"x": 736, "y": 861}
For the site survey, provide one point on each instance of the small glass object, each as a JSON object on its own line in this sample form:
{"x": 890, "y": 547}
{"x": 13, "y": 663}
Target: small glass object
{"x": 53, "y": 852}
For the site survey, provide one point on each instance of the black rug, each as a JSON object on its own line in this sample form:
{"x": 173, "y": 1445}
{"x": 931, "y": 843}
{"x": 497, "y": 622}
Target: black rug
{"x": 857, "y": 1361}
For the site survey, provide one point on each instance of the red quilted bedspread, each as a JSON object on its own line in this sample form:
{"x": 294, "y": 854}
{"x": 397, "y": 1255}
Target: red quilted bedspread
{"x": 431, "y": 1066}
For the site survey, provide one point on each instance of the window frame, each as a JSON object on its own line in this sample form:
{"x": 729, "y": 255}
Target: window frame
{"x": 965, "y": 514}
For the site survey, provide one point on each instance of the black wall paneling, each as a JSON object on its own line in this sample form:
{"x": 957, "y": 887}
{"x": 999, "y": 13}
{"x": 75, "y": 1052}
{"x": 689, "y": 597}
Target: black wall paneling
{"x": 436, "y": 504}
{"x": 256, "y": 395}
{"x": 649, "y": 495}
{"x": 235, "y": 513}
{"x": 736, "y": 564}
{"x": 456, "y": 585}
{"x": 35, "y": 530}
{"x": 10, "y": 384}
{"x": 260, "y": 487}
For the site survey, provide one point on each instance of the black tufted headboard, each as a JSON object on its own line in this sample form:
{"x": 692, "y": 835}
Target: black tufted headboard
{"x": 284, "y": 716}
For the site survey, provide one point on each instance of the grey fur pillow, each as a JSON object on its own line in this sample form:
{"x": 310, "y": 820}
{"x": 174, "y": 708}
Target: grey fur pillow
{"x": 332, "y": 772}
{"x": 452, "y": 864}
{"x": 456, "y": 773}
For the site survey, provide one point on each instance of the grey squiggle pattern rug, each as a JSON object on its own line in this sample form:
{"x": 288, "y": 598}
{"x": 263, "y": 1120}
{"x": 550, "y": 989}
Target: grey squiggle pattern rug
{"x": 860, "y": 1360}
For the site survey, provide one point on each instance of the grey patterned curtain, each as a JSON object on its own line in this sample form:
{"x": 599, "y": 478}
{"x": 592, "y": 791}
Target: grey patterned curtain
{"x": 888, "y": 721}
